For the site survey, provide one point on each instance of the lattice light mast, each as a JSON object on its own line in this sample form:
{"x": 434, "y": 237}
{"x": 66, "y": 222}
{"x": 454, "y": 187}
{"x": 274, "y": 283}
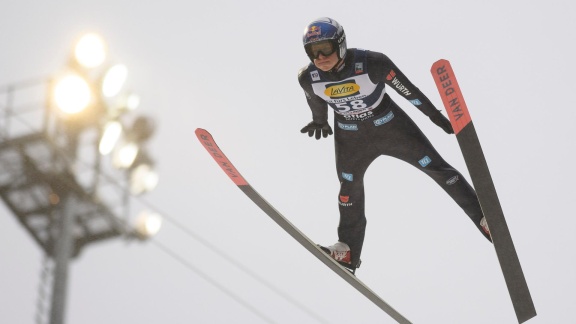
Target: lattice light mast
{"x": 70, "y": 164}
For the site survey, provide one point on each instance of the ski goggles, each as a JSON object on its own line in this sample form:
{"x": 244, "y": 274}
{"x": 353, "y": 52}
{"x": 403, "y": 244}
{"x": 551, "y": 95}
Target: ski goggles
{"x": 326, "y": 48}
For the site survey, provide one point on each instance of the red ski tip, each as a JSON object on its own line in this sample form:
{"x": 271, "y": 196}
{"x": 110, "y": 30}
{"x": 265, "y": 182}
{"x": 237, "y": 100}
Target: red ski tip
{"x": 208, "y": 142}
{"x": 451, "y": 95}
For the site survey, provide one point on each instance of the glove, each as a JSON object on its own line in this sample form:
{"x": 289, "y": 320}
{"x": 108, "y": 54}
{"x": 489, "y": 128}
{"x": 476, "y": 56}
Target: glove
{"x": 442, "y": 122}
{"x": 313, "y": 127}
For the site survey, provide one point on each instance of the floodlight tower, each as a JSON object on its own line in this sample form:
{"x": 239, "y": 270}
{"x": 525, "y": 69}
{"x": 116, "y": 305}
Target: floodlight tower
{"x": 69, "y": 166}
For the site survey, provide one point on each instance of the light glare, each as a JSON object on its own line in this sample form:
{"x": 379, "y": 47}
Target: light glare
{"x": 112, "y": 132}
{"x": 133, "y": 101}
{"x": 72, "y": 94}
{"x": 90, "y": 51}
{"x": 125, "y": 155}
{"x": 114, "y": 80}
{"x": 143, "y": 179}
{"x": 148, "y": 224}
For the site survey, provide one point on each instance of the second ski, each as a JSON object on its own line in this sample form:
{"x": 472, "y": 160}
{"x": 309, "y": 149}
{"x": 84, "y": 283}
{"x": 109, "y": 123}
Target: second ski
{"x": 475, "y": 161}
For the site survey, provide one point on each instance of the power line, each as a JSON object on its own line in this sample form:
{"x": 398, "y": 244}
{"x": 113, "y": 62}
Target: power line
{"x": 238, "y": 265}
{"x": 212, "y": 281}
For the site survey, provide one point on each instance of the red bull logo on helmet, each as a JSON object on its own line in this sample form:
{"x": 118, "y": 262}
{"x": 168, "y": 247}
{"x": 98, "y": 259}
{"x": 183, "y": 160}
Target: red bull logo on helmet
{"x": 314, "y": 31}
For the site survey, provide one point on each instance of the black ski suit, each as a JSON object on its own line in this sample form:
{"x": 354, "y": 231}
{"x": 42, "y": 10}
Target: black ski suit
{"x": 368, "y": 124}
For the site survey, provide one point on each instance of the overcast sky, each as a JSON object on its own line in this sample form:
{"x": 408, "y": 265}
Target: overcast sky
{"x": 231, "y": 67}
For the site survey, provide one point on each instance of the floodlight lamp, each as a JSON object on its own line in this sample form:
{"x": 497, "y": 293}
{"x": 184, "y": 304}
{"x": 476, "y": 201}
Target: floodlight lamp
{"x": 132, "y": 101}
{"x": 148, "y": 224}
{"x": 90, "y": 51}
{"x": 143, "y": 178}
{"x": 123, "y": 104}
{"x": 110, "y": 137}
{"x": 72, "y": 94}
{"x": 114, "y": 79}
{"x": 142, "y": 129}
{"x": 125, "y": 155}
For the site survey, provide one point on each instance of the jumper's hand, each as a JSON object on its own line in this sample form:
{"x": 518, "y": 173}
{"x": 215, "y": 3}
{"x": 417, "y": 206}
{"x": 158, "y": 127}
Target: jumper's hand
{"x": 318, "y": 129}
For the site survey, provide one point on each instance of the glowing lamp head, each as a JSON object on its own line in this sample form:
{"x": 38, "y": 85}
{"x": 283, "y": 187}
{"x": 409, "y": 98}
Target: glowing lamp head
{"x": 90, "y": 51}
{"x": 72, "y": 94}
{"x": 148, "y": 224}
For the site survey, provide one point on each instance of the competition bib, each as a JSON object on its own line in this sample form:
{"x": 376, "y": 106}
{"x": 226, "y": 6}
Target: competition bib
{"x": 355, "y": 96}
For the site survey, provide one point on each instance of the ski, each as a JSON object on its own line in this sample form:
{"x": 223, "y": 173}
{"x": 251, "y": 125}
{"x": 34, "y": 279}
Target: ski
{"x": 210, "y": 145}
{"x": 475, "y": 161}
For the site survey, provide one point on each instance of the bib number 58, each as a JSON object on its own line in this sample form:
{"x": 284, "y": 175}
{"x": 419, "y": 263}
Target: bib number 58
{"x": 352, "y": 105}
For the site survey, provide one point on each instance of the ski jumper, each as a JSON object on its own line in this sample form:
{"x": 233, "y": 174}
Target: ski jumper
{"x": 368, "y": 124}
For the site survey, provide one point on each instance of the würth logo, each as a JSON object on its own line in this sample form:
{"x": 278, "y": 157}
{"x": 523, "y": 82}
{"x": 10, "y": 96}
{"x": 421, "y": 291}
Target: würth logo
{"x": 399, "y": 86}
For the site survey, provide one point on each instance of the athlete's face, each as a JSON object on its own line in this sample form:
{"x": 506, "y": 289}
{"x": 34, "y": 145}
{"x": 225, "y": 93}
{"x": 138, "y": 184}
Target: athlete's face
{"x": 326, "y": 63}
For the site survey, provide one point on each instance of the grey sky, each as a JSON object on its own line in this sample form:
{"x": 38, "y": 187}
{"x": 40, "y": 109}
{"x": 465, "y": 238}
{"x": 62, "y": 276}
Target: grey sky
{"x": 231, "y": 67}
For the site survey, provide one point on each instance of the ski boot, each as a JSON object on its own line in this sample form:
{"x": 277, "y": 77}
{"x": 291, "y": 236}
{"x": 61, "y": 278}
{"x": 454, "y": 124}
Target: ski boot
{"x": 340, "y": 252}
{"x": 484, "y": 225}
